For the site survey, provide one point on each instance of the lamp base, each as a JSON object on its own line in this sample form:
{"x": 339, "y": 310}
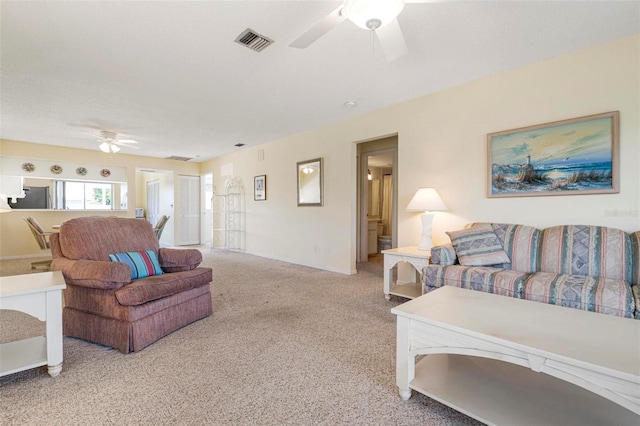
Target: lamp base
{"x": 426, "y": 242}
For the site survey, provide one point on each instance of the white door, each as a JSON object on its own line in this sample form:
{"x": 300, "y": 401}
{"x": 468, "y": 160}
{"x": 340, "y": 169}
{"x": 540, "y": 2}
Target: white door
{"x": 153, "y": 201}
{"x": 206, "y": 222}
{"x": 189, "y": 220}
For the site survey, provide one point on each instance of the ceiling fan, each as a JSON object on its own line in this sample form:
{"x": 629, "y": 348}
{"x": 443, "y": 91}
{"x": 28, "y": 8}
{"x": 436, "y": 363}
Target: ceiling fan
{"x": 111, "y": 143}
{"x": 378, "y": 16}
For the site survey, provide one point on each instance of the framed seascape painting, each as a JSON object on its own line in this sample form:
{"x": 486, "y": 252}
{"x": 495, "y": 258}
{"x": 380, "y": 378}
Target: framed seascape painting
{"x": 569, "y": 157}
{"x": 260, "y": 188}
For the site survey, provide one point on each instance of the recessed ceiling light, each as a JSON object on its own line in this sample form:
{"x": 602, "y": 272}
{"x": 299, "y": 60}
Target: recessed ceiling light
{"x": 350, "y": 104}
{"x": 239, "y": 145}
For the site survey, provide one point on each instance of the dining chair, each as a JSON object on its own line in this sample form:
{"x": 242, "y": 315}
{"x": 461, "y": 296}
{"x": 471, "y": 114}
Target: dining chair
{"x": 42, "y": 238}
{"x": 160, "y": 225}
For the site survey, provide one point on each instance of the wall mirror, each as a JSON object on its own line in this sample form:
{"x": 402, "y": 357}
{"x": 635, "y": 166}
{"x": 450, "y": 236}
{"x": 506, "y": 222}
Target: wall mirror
{"x": 310, "y": 182}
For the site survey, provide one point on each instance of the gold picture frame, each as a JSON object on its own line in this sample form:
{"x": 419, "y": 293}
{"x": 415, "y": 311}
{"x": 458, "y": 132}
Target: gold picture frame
{"x": 569, "y": 157}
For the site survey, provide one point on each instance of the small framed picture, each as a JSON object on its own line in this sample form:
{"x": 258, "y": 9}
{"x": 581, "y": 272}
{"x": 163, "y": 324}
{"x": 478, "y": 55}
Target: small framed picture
{"x": 260, "y": 188}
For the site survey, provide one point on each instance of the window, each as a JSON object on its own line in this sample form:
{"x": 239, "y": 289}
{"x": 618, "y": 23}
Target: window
{"x": 83, "y": 195}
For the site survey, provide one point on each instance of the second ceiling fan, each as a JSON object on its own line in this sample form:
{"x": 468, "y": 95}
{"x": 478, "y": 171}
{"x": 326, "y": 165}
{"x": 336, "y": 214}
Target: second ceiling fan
{"x": 378, "y": 16}
{"x": 110, "y": 141}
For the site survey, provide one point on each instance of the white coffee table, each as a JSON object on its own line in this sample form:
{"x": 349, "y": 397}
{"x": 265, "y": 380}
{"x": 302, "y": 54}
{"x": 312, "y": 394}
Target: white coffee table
{"x": 39, "y": 295}
{"x": 417, "y": 258}
{"x": 506, "y": 361}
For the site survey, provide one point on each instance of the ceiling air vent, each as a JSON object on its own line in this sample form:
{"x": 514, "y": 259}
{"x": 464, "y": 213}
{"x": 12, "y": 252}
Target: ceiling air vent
{"x": 178, "y": 158}
{"x": 253, "y": 40}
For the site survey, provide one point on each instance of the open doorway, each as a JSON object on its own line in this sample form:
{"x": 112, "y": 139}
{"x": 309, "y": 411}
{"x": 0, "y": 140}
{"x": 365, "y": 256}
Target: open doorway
{"x": 377, "y": 206}
{"x": 154, "y": 198}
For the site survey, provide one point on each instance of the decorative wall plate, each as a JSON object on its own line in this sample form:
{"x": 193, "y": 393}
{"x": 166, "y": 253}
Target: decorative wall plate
{"x": 28, "y": 167}
{"x": 81, "y": 171}
{"x": 56, "y": 169}
{"x": 105, "y": 172}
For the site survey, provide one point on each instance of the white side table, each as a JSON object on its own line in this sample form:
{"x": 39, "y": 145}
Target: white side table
{"x": 39, "y": 295}
{"x": 417, "y": 258}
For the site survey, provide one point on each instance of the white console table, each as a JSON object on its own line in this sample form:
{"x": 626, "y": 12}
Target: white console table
{"x": 39, "y": 295}
{"x": 417, "y": 258}
{"x": 507, "y": 361}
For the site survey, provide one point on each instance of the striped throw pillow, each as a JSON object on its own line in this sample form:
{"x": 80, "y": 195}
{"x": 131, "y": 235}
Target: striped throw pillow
{"x": 142, "y": 263}
{"x": 478, "y": 246}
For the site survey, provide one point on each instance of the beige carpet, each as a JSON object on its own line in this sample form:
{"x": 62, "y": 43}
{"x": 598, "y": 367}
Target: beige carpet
{"x": 286, "y": 345}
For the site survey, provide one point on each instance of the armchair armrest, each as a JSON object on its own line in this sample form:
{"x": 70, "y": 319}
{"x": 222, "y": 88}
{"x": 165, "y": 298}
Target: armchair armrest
{"x": 93, "y": 273}
{"x": 443, "y": 255}
{"x": 176, "y": 260}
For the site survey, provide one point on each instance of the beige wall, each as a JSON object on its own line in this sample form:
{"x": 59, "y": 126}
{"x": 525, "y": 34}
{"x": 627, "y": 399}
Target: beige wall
{"x": 15, "y": 237}
{"x": 442, "y": 143}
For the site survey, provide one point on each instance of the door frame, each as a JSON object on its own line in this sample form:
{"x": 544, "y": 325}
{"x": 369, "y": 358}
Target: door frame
{"x": 363, "y": 223}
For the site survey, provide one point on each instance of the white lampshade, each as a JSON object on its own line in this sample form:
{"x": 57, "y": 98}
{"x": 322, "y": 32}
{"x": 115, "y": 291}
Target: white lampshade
{"x": 372, "y": 14}
{"x": 4, "y": 206}
{"x": 426, "y": 199}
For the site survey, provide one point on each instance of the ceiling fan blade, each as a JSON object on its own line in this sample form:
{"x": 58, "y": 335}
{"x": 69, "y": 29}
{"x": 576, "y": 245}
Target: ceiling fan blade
{"x": 126, "y": 141}
{"x": 124, "y": 145}
{"x": 392, "y": 41}
{"x": 319, "y": 29}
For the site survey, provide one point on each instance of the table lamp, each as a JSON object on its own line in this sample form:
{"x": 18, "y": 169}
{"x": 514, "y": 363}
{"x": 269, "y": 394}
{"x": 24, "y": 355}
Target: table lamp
{"x": 427, "y": 200}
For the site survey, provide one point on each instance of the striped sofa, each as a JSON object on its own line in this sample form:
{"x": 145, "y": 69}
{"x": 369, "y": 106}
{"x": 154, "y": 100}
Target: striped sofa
{"x": 592, "y": 268}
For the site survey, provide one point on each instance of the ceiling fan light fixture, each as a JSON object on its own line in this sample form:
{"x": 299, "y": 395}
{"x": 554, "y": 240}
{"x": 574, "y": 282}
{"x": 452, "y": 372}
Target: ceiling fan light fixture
{"x": 372, "y": 14}
{"x": 108, "y": 147}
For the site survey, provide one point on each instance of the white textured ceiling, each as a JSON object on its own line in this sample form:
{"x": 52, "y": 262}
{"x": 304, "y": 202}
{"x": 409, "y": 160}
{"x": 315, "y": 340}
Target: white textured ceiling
{"x": 169, "y": 74}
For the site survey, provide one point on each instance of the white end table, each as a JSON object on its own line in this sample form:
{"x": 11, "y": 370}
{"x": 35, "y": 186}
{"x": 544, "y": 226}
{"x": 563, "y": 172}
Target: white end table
{"x": 39, "y": 295}
{"x": 417, "y": 258}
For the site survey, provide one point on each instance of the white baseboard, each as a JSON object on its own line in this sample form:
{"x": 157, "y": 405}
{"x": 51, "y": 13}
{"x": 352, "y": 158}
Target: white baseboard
{"x": 281, "y": 259}
{"x": 24, "y": 256}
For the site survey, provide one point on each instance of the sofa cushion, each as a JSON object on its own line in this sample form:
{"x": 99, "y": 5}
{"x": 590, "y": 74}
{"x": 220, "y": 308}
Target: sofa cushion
{"x": 478, "y": 246}
{"x": 156, "y": 287}
{"x": 520, "y": 242}
{"x": 142, "y": 263}
{"x": 635, "y": 290}
{"x": 596, "y": 294}
{"x": 504, "y": 282}
{"x": 635, "y": 258}
{"x": 443, "y": 255}
{"x": 595, "y": 251}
